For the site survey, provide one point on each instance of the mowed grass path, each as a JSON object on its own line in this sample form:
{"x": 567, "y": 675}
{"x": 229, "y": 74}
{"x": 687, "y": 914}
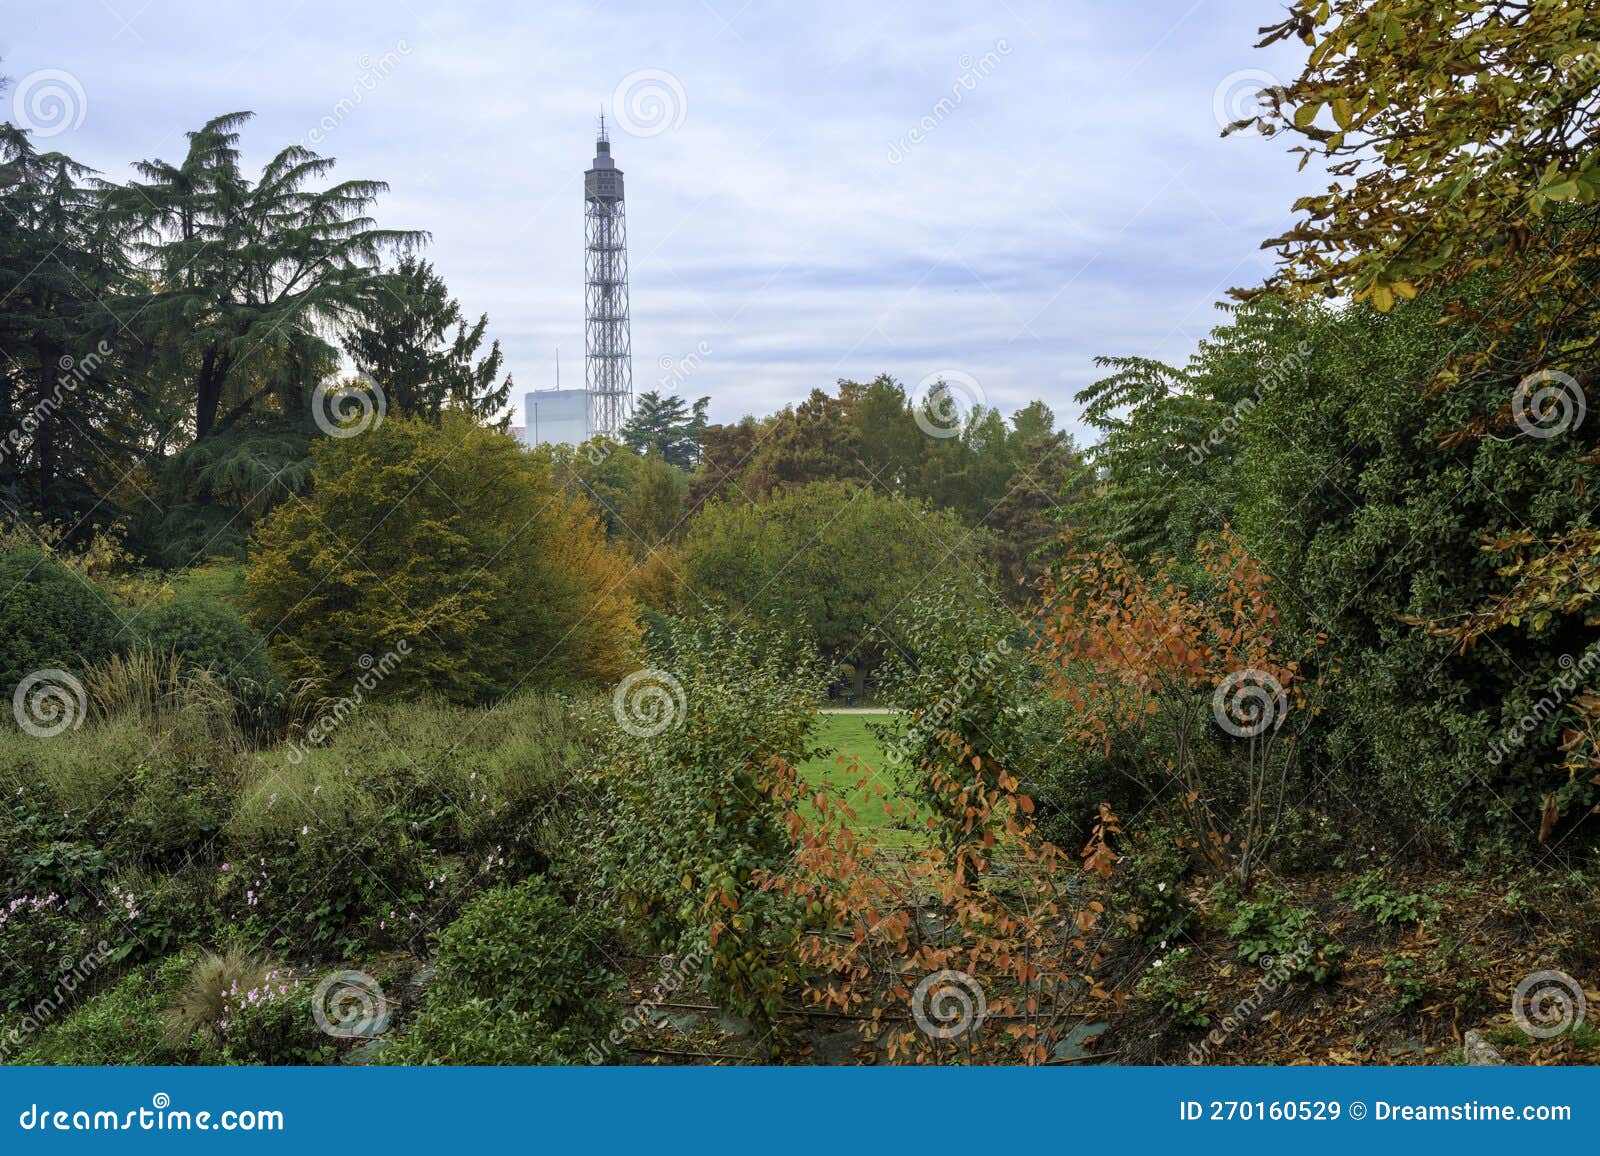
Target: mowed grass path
{"x": 847, "y": 736}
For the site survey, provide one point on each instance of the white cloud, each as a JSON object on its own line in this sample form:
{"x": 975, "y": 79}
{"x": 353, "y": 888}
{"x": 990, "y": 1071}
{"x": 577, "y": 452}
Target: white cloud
{"x": 1075, "y": 200}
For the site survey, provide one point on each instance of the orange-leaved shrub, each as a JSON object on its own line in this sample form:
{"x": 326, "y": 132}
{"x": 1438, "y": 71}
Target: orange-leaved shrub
{"x": 1199, "y": 655}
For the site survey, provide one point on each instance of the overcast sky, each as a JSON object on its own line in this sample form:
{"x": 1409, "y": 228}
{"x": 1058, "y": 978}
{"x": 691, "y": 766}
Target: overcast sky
{"x": 1000, "y": 190}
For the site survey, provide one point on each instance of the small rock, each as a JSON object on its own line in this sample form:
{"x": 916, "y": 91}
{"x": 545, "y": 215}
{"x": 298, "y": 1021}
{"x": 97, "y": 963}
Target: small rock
{"x": 1479, "y": 1051}
{"x": 1076, "y": 1044}
{"x": 417, "y": 986}
{"x": 363, "y": 1054}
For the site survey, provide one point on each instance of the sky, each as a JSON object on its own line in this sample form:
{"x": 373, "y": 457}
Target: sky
{"x": 991, "y": 192}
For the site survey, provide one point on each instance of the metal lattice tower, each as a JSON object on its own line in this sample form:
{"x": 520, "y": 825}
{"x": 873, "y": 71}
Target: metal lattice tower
{"x": 609, "y": 368}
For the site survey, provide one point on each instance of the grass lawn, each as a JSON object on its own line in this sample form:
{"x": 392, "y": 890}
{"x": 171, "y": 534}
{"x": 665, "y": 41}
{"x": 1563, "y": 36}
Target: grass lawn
{"x": 846, "y": 736}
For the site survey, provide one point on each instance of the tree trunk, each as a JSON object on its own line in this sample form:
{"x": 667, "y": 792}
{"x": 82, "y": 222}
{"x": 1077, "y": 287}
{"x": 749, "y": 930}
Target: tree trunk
{"x": 208, "y": 392}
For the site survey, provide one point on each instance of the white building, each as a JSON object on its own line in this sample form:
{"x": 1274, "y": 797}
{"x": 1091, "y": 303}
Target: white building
{"x": 555, "y": 417}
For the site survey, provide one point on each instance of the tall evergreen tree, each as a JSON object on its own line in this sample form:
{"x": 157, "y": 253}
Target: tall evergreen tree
{"x": 249, "y": 273}
{"x": 72, "y": 414}
{"x": 668, "y": 426}
{"x": 416, "y": 345}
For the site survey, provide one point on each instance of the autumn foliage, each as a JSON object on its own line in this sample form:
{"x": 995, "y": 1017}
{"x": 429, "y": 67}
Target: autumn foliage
{"x": 1203, "y": 661}
{"x": 453, "y": 540}
{"x": 1007, "y": 923}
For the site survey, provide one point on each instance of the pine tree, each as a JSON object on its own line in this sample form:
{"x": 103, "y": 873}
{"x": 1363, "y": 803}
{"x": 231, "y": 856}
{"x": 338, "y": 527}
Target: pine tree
{"x": 668, "y": 426}
{"x": 418, "y": 348}
{"x": 72, "y": 410}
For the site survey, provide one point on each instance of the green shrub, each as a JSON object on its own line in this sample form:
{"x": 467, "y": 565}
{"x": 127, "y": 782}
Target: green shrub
{"x": 1368, "y": 895}
{"x": 490, "y": 576}
{"x": 42, "y": 935}
{"x": 1406, "y": 979}
{"x": 116, "y": 794}
{"x": 1282, "y": 938}
{"x": 1149, "y": 883}
{"x": 960, "y": 665}
{"x": 1165, "y": 987}
{"x": 406, "y": 812}
{"x": 278, "y": 1029}
{"x": 1361, "y": 502}
{"x": 834, "y": 558}
{"x": 50, "y": 617}
{"x": 240, "y": 1008}
{"x": 328, "y": 891}
{"x": 477, "y": 1031}
{"x": 463, "y": 780}
{"x": 210, "y": 636}
{"x": 175, "y": 909}
{"x": 521, "y": 979}
{"x": 690, "y": 829}
{"x": 123, "y": 1025}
